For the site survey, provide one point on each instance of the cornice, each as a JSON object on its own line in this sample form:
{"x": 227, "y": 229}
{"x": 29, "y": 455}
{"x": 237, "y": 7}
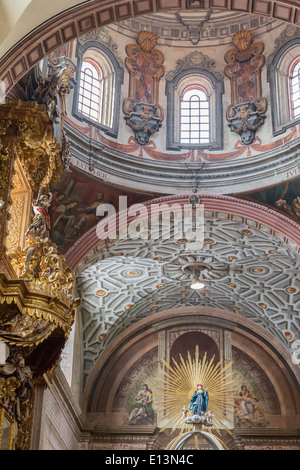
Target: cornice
{"x": 241, "y": 175}
{"x": 278, "y": 223}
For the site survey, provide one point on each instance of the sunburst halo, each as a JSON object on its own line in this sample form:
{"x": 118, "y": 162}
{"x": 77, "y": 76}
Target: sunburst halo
{"x": 175, "y": 390}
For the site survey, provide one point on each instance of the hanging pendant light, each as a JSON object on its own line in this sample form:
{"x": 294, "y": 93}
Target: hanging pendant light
{"x": 197, "y": 284}
{"x": 194, "y": 271}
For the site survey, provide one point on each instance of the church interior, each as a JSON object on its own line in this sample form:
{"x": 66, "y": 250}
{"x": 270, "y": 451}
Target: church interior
{"x": 149, "y": 225}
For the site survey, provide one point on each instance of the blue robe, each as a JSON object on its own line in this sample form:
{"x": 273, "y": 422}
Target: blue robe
{"x": 199, "y": 402}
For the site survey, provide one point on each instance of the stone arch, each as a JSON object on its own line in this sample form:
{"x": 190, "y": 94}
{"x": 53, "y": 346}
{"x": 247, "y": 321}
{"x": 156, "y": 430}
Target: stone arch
{"x": 105, "y": 315}
{"x": 142, "y": 337}
{"x": 70, "y": 24}
{"x": 263, "y": 218}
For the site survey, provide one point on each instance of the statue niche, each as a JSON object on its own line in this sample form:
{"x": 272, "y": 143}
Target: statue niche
{"x": 246, "y": 113}
{"x": 142, "y": 112}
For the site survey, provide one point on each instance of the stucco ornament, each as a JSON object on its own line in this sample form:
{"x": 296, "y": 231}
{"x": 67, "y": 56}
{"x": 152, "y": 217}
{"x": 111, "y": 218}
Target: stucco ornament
{"x": 143, "y": 114}
{"x": 246, "y": 113}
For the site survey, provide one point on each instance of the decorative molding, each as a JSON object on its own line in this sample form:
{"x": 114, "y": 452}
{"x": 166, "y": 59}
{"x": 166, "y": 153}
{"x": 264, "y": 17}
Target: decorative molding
{"x": 101, "y": 41}
{"x": 291, "y": 32}
{"x": 287, "y": 47}
{"x": 143, "y": 113}
{"x": 234, "y": 281}
{"x": 38, "y": 43}
{"x": 195, "y": 68}
{"x": 102, "y": 36}
{"x": 194, "y": 60}
{"x": 246, "y": 212}
{"x": 245, "y": 61}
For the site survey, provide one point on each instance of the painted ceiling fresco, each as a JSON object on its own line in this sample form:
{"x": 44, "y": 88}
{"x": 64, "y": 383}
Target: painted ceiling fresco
{"x": 284, "y": 198}
{"x": 74, "y": 206}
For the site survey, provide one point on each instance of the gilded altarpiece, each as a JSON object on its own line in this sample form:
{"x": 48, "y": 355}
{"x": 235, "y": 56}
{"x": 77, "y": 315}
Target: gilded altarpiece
{"x": 20, "y": 210}
{"x": 36, "y": 286}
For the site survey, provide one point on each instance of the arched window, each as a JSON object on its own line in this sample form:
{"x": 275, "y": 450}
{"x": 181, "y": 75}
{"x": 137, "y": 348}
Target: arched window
{"x": 90, "y": 90}
{"x": 98, "y": 89}
{"x": 194, "y": 104}
{"x": 194, "y": 116}
{"x": 284, "y": 79}
{"x": 294, "y": 88}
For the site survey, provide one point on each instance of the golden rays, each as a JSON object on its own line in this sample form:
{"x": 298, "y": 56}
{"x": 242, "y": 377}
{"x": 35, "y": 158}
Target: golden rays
{"x": 175, "y": 390}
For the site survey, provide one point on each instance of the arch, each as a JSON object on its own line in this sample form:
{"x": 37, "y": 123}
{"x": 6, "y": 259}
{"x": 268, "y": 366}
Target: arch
{"x": 210, "y": 84}
{"x": 268, "y": 220}
{"x": 294, "y": 88}
{"x": 231, "y": 227}
{"x": 269, "y": 354}
{"x": 110, "y": 81}
{"x": 69, "y": 24}
{"x": 188, "y": 342}
{"x": 194, "y": 120}
{"x": 90, "y": 90}
{"x": 278, "y": 76}
{"x": 180, "y": 441}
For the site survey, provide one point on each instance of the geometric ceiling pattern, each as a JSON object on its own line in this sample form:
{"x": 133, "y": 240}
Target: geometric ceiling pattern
{"x": 251, "y": 274}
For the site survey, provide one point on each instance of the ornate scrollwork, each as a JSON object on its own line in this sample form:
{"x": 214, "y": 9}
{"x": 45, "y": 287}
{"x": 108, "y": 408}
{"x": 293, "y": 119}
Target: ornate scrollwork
{"x": 37, "y": 308}
{"x": 195, "y": 60}
{"x": 27, "y": 133}
{"x": 143, "y": 114}
{"x": 41, "y": 265}
{"x": 244, "y": 120}
{"x": 16, "y": 394}
{"x": 244, "y": 64}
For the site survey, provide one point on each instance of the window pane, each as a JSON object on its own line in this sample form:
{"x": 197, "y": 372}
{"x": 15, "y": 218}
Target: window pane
{"x": 87, "y": 78}
{"x": 87, "y": 86}
{"x": 295, "y": 90}
{"x": 195, "y": 135}
{"x": 185, "y": 119}
{"x": 90, "y": 91}
{"x": 194, "y": 116}
{"x": 204, "y": 104}
{"x": 295, "y": 96}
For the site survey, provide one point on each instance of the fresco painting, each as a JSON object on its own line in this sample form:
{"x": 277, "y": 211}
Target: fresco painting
{"x": 284, "y": 198}
{"x": 140, "y": 405}
{"x": 75, "y": 200}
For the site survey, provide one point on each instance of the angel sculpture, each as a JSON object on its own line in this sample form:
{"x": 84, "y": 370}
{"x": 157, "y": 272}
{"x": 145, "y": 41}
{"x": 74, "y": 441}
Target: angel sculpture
{"x": 41, "y": 220}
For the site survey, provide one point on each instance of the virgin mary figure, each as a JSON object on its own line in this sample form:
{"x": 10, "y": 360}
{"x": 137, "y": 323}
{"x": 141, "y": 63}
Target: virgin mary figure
{"x": 199, "y": 401}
